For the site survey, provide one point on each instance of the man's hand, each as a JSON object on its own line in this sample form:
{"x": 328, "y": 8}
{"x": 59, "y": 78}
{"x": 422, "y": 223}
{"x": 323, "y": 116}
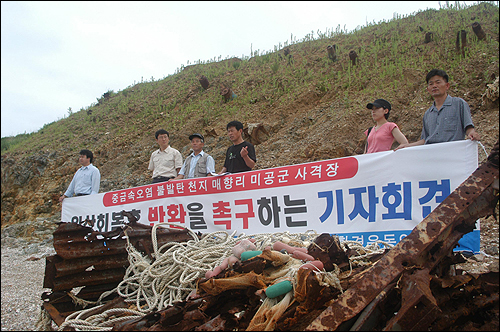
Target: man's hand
{"x": 244, "y": 151}
{"x": 473, "y": 135}
{"x": 62, "y": 198}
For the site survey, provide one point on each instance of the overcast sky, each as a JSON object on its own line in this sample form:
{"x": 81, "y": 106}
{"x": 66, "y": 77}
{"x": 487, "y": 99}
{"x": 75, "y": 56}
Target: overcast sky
{"x": 57, "y": 55}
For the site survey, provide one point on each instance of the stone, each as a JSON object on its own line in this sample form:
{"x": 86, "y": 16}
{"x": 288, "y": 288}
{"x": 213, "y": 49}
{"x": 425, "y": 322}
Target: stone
{"x": 491, "y": 250}
{"x": 9, "y": 242}
{"x": 493, "y": 267}
{"x": 31, "y": 249}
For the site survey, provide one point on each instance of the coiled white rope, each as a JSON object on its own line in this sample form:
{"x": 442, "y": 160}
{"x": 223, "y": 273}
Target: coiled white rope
{"x": 172, "y": 276}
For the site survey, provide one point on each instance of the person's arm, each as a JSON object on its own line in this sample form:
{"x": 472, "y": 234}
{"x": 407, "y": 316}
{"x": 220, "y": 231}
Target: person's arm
{"x": 406, "y": 145}
{"x": 180, "y": 173}
{"x": 244, "y": 154}
{"x": 366, "y": 140}
{"x": 223, "y": 170}
{"x": 472, "y": 134}
{"x": 178, "y": 161}
{"x": 210, "y": 166}
{"x": 399, "y": 136}
{"x": 178, "y": 177}
{"x": 151, "y": 165}
{"x": 96, "y": 181}
{"x": 70, "y": 191}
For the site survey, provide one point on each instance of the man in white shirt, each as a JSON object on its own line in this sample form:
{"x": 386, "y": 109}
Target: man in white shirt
{"x": 86, "y": 180}
{"x": 198, "y": 163}
{"x": 166, "y": 162}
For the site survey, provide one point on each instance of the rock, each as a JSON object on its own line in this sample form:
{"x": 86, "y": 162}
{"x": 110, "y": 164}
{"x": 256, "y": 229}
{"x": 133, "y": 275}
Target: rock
{"x": 493, "y": 267}
{"x": 9, "y": 242}
{"x": 479, "y": 257}
{"x": 31, "y": 249}
{"x": 491, "y": 250}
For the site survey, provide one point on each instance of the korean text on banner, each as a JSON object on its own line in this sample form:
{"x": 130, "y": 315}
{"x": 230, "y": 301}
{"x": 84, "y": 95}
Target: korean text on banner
{"x": 373, "y": 197}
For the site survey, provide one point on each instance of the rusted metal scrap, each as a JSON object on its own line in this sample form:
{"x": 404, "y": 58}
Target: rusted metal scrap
{"x": 413, "y": 286}
{"x": 94, "y": 260}
{"x": 231, "y": 299}
{"x": 423, "y": 249}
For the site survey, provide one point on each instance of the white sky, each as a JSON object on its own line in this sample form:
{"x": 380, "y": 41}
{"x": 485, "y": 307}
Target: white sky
{"x": 57, "y": 55}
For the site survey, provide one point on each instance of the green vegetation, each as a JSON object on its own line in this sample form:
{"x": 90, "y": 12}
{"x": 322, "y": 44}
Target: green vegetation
{"x": 391, "y": 55}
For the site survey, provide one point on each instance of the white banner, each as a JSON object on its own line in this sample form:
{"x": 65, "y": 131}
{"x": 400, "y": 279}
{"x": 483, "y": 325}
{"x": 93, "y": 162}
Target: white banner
{"x": 365, "y": 198}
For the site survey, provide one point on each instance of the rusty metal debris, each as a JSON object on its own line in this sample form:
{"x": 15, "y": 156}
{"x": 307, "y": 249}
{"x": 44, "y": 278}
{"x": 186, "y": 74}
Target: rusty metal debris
{"x": 428, "y": 245}
{"x": 413, "y": 286}
{"x": 93, "y": 260}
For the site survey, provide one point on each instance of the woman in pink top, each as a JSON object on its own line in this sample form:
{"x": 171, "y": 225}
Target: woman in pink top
{"x": 381, "y": 136}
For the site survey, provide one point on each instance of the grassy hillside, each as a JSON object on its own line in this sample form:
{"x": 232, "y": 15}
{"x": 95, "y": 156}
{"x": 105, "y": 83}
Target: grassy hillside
{"x": 309, "y": 106}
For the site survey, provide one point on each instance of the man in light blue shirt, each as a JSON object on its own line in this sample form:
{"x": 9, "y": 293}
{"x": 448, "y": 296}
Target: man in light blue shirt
{"x": 86, "y": 180}
{"x": 198, "y": 163}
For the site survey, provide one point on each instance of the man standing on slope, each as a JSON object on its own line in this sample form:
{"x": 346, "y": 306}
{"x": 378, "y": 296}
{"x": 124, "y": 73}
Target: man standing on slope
{"x": 240, "y": 157}
{"x": 198, "y": 163}
{"x": 166, "y": 162}
{"x": 86, "y": 180}
{"x": 447, "y": 120}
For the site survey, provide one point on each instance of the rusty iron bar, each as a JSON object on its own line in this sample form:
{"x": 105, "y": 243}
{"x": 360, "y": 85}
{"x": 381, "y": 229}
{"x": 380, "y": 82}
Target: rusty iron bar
{"x": 430, "y": 242}
{"x": 76, "y": 241}
{"x": 89, "y": 278}
{"x": 80, "y": 250}
{"x": 95, "y": 260}
{"x": 365, "y": 320}
{"x": 80, "y": 265}
{"x": 419, "y": 307}
{"x": 54, "y": 313}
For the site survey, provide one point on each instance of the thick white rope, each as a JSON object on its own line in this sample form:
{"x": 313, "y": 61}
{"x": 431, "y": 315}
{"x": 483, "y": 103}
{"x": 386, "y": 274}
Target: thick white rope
{"x": 44, "y": 322}
{"x": 172, "y": 276}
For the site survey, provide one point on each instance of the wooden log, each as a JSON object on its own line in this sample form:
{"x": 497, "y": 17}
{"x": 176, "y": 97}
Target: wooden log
{"x": 353, "y": 56}
{"x": 478, "y": 30}
{"x": 428, "y": 37}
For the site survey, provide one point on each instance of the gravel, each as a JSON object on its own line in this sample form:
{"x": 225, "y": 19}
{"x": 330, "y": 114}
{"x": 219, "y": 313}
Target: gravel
{"x": 22, "y": 286}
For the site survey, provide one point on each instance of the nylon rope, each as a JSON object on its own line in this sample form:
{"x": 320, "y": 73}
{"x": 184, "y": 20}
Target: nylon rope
{"x": 153, "y": 285}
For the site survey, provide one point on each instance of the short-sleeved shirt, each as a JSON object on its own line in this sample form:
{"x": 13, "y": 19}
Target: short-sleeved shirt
{"x": 85, "y": 181}
{"x": 448, "y": 123}
{"x": 234, "y": 162}
{"x": 165, "y": 163}
{"x": 381, "y": 139}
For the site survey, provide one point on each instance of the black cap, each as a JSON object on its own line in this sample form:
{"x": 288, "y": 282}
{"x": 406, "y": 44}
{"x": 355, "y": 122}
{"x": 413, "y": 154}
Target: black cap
{"x": 197, "y": 135}
{"x": 379, "y": 103}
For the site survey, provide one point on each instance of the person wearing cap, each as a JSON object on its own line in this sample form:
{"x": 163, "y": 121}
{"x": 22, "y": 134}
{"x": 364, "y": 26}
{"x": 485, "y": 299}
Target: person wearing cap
{"x": 165, "y": 162}
{"x": 448, "y": 119}
{"x": 381, "y": 136}
{"x": 198, "y": 163}
{"x": 240, "y": 157}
